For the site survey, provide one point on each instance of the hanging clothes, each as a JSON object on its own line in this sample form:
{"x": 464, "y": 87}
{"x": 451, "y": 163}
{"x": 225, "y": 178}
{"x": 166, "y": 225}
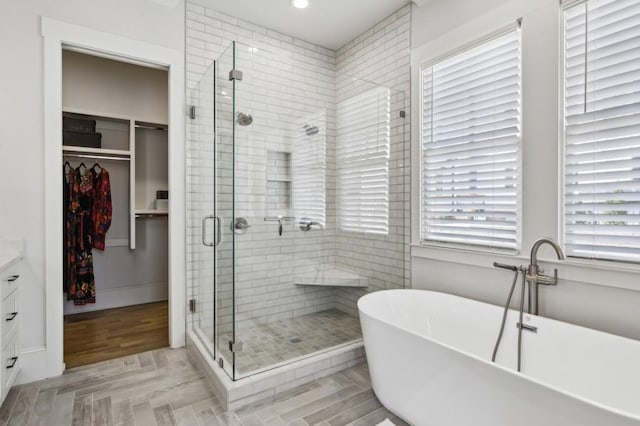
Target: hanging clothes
{"x": 88, "y": 213}
{"x": 102, "y": 208}
{"x": 79, "y": 226}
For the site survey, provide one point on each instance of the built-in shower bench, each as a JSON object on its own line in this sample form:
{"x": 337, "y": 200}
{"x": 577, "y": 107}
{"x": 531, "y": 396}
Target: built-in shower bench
{"x": 330, "y": 276}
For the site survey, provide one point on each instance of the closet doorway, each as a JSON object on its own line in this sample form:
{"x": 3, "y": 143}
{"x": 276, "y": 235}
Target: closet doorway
{"x": 115, "y": 208}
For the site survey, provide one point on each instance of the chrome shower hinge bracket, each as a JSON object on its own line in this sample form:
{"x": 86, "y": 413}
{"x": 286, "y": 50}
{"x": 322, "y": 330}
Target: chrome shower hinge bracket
{"x": 235, "y": 74}
{"x": 403, "y": 114}
{"x": 192, "y": 112}
{"x": 235, "y": 346}
{"x": 192, "y": 305}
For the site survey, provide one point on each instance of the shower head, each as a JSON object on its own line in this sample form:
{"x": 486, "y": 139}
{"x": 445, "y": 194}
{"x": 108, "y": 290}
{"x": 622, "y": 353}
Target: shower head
{"x": 244, "y": 119}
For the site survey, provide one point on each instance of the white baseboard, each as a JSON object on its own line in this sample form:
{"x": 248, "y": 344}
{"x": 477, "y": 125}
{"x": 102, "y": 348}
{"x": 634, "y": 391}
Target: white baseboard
{"x": 121, "y": 296}
{"x": 33, "y": 365}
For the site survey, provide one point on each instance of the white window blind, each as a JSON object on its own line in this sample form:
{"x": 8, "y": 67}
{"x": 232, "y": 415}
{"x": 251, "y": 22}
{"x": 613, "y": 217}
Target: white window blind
{"x": 471, "y": 146}
{"x": 602, "y": 130}
{"x": 363, "y": 147}
{"x": 309, "y": 169}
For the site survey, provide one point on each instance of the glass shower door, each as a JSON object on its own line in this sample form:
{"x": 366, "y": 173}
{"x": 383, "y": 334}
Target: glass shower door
{"x": 224, "y": 194}
{"x": 200, "y": 208}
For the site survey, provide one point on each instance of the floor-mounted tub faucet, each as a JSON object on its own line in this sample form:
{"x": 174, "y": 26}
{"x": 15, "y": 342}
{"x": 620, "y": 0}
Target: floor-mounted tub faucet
{"x": 535, "y": 275}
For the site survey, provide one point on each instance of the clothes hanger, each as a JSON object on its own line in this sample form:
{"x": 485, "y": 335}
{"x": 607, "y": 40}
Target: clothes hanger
{"x": 98, "y": 166}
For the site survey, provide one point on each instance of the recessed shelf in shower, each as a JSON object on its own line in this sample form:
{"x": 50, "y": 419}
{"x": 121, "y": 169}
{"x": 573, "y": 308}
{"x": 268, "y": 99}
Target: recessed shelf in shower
{"x": 278, "y": 183}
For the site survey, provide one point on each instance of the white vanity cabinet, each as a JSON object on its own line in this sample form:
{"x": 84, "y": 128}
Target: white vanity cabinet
{"x": 10, "y": 320}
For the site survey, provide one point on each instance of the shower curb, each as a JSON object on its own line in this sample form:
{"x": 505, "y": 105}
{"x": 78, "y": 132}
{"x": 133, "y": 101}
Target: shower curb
{"x": 270, "y": 383}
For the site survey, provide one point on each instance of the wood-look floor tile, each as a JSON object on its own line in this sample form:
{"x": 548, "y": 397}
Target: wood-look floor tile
{"x": 355, "y": 413}
{"x": 42, "y": 407}
{"x": 160, "y": 358}
{"x": 338, "y": 407}
{"x": 229, "y": 419}
{"x": 82, "y": 410}
{"x": 281, "y": 407}
{"x": 143, "y": 415}
{"x": 287, "y": 395}
{"x": 145, "y": 359}
{"x": 207, "y": 418}
{"x": 62, "y": 413}
{"x": 372, "y": 418}
{"x": 23, "y": 408}
{"x": 163, "y": 387}
{"x": 8, "y": 404}
{"x": 164, "y": 415}
{"x": 122, "y": 412}
{"x": 185, "y": 417}
{"x": 318, "y": 404}
{"x": 102, "y": 412}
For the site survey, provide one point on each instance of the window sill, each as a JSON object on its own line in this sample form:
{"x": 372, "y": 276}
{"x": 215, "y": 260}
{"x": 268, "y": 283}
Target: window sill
{"x": 594, "y": 272}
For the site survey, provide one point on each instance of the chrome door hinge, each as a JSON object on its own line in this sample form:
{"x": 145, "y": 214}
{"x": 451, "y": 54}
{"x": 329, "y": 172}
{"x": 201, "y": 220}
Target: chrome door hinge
{"x": 192, "y": 112}
{"x": 235, "y": 74}
{"x": 403, "y": 114}
{"x": 192, "y": 305}
{"x": 235, "y": 346}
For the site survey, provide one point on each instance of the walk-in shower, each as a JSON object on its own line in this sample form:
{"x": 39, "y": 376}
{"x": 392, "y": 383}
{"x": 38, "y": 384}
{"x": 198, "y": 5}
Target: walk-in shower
{"x": 311, "y": 163}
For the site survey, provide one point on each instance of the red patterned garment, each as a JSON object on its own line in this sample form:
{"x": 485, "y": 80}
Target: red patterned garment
{"x": 83, "y": 287}
{"x": 102, "y": 208}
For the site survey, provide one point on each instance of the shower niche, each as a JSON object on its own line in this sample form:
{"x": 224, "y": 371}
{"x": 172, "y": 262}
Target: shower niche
{"x": 278, "y": 183}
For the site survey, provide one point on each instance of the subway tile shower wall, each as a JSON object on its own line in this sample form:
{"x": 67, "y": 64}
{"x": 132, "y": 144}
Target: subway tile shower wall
{"x": 287, "y": 84}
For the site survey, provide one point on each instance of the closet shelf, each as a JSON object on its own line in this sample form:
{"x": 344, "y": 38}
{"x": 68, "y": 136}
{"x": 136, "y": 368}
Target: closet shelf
{"x": 101, "y": 151}
{"x": 150, "y": 212}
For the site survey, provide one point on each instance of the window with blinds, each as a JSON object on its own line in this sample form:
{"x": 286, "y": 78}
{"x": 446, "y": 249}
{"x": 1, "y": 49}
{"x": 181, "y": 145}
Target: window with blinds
{"x": 309, "y": 170}
{"x": 471, "y": 146}
{"x": 363, "y": 140}
{"x": 602, "y": 130}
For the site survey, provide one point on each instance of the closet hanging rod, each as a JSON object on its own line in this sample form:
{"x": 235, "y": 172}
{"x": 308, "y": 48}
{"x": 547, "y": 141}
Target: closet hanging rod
{"x": 96, "y": 157}
{"x": 144, "y": 126}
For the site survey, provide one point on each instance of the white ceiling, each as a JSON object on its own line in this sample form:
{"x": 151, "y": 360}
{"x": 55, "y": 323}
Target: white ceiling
{"x": 328, "y": 23}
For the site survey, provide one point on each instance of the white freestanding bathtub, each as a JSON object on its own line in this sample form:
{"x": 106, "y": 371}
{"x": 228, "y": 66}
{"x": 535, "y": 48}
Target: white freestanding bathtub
{"x": 429, "y": 355}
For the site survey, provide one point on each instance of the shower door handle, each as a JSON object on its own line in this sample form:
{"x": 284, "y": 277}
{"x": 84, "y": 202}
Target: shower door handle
{"x": 204, "y": 231}
{"x": 219, "y": 230}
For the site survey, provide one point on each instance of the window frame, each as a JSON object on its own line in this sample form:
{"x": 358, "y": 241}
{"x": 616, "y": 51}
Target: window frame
{"x": 613, "y": 264}
{"x": 477, "y": 42}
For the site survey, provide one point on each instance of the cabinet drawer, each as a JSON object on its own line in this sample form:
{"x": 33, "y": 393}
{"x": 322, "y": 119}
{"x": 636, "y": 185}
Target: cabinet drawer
{"x": 9, "y": 279}
{"x": 9, "y": 315}
{"x": 10, "y": 363}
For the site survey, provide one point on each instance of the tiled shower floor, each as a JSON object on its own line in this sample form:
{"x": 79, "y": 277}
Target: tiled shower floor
{"x": 275, "y": 342}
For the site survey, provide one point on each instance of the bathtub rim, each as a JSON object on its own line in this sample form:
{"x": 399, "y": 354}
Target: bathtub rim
{"x": 363, "y": 300}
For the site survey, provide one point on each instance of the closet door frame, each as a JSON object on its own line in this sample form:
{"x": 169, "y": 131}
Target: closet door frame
{"x": 46, "y": 362}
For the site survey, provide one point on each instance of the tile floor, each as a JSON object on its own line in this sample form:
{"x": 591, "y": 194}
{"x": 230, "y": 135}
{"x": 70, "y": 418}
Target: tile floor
{"x": 271, "y": 343}
{"x": 162, "y": 387}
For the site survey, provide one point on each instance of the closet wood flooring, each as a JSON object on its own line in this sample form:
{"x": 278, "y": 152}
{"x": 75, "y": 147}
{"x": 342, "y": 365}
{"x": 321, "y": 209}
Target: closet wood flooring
{"x": 97, "y": 336}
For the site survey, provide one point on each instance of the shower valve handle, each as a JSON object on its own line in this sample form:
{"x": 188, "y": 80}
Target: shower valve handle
{"x": 280, "y": 220}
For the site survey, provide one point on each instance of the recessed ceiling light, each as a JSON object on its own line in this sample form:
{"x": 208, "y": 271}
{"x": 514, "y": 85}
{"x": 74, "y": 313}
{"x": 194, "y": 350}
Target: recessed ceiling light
{"x": 299, "y": 4}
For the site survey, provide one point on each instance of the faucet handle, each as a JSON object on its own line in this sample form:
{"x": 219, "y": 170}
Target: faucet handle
{"x": 504, "y": 266}
{"x": 547, "y": 279}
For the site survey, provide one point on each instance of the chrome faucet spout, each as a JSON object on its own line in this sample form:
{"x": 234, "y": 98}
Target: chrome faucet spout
{"x": 534, "y": 274}
{"x": 536, "y": 246}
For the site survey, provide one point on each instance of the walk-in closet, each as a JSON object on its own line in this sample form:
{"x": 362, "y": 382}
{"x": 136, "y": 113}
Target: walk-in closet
{"x": 115, "y": 208}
